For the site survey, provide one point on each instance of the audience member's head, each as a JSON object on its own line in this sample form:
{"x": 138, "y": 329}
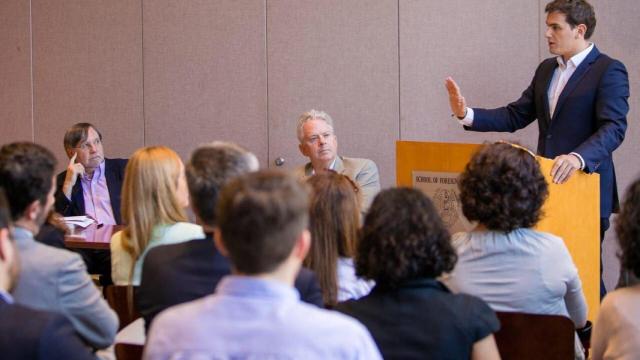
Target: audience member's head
{"x": 503, "y": 188}
{"x": 154, "y": 192}
{"x": 9, "y": 264}
{"x": 333, "y": 223}
{"x": 262, "y": 222}
{"x": 628, "y": 230}
{"x": 85, "y": 140}
{"x": 27, "y": 175}
{"x": 403, "y": 238}
{"x": 211, "y": 167}
{"x": 317, "y": 139}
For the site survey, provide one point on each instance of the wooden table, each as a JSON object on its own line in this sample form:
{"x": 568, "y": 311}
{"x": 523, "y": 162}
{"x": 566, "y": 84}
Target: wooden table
{"x": 92, "y": 237}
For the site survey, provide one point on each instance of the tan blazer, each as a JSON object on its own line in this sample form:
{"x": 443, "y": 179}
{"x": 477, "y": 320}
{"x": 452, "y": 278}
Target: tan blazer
{"x": 363, "y": 172}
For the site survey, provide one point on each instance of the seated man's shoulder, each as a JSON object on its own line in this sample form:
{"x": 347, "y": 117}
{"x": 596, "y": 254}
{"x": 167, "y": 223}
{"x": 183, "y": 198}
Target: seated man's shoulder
{"x": 50, "y": 256}
{"x": 361, "y": 163}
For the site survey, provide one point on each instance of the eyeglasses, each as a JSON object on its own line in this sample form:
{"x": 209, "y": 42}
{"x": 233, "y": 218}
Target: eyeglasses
{"x": 85, "y": 145}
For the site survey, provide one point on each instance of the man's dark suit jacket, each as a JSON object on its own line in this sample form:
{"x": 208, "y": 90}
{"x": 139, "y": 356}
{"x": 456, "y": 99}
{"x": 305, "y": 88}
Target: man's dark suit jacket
{"x": 590, "y": 117}
{"x": 31, "y": 334}
{"x": 177, "y": 273}
{"x": 114, "y": 174}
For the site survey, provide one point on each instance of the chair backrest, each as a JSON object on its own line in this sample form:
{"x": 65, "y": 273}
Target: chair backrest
{"x": 128, "y": 351}
{"x": 120, "y": 298}
{"x": 531, "y": 336}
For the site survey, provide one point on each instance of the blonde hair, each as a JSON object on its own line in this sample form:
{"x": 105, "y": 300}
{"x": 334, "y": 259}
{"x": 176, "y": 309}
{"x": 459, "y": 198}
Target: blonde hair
{"x": 149, "y": 196}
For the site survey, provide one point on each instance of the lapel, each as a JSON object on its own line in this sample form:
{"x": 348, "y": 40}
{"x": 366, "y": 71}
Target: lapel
{"x": 113, "y": 186}
{"x": 339, "y": 166}
{"x": 77, "y": 197}
{"x": 546, "y": 76}
{"x": 575, "y": 78}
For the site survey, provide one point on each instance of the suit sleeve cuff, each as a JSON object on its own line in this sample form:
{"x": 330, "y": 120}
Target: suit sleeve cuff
{"x": 579, "y": 158}
{"x": 467, "y": 120}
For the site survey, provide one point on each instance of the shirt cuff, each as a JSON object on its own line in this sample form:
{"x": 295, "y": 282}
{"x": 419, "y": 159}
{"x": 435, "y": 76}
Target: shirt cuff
{"x": 468, "y": 120}
{"x": 579, "y": 158}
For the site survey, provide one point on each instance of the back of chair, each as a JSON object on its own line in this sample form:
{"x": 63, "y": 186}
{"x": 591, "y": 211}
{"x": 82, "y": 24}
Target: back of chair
{"x": 128, "y": 351}
{"x": 529, "y": 336}
{"x": 120, "y": 298}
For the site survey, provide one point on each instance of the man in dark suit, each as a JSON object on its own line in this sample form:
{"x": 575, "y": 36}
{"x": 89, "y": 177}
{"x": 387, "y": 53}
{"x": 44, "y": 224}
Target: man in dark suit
{"x": 174, "y": 274}
{"x": 91, "y": 185}
{"x": 26, "y": 333}
{"x": 579, "y": 99}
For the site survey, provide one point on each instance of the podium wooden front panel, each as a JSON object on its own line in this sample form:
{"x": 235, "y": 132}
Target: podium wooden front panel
{"x": 572, "y": 210}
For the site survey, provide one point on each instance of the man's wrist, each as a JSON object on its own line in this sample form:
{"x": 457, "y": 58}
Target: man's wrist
{"x": 580, "y": 159}
{"x": 466, "y": 110}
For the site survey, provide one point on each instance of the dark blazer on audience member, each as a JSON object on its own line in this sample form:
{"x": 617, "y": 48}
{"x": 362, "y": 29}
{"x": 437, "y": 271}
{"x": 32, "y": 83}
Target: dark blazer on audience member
{"x": 177, "y": 273}
{"x": 31, "y": 334}
{"x": 422, "y": 319}
{"x": 114, "y": 173}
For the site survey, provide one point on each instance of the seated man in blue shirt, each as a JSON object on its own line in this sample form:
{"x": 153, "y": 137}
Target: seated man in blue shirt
{"x": 42, "y": 335}
{"x": 256, "y": 312}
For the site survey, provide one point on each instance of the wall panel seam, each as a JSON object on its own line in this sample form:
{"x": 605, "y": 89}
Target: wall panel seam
{"x": 144, "y": 117}
{"x": 266, "y": 64}
{"x": 33, "y": 125}
{"x": 399, "y": 78}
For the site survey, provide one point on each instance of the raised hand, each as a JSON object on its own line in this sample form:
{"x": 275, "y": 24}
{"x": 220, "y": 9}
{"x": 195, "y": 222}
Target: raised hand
{"x": 456, "y": 101}
{"x": 73, "y": 171}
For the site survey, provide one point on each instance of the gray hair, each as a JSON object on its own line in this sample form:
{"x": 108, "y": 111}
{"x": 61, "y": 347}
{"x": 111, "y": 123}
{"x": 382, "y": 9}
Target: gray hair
{"x": 312, "y": 115}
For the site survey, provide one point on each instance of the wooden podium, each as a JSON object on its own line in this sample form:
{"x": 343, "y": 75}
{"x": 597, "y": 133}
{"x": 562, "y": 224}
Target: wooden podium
{"x": 572, "y": 210}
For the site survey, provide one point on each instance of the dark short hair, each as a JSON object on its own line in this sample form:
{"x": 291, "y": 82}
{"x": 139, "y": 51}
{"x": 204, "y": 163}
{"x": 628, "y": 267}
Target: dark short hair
{"x": 576, "y": 12}
{"x": 26, "y": 173}
{"x": 628, "y": 230}
{"x": 403, "y": 238}
{"x": 503, "y": 188}
{"x": 77, "y": 134}
{"x": 260, "y": 216}
{"x": 209, "y": 169}
{"x": 5, "y": 218}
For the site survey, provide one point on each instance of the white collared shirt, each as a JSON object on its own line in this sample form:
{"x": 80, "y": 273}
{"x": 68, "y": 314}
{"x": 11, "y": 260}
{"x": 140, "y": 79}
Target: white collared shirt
{"x": 561, "y": 76}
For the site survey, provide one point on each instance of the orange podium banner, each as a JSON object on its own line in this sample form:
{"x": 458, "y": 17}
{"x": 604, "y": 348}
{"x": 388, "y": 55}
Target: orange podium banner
{"x": 572, "y": 210}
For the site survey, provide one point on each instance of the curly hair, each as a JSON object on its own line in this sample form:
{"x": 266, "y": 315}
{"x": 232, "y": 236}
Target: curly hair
{"x": 403, "y": 238}
{"x": 503, "y": 188}
{"x": 628, "y": 230}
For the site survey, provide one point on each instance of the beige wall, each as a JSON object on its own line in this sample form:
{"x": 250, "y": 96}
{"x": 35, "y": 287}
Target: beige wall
{"x": 182, "y": 73}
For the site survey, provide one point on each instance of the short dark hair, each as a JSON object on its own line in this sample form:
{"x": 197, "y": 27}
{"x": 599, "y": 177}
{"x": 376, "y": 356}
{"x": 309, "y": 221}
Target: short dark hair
{"x": 503, "y": 188}
{"x": 26, "y": 173}
{"x": 5, "y": 218}
{"x": 260, "y": 216}
{"x": 209, "y": 169}
{"x": 628, "y": 230}
{"x": 403, "y": 238}
{"x": 576, "y": 12}
{"x": 77, "y": 134}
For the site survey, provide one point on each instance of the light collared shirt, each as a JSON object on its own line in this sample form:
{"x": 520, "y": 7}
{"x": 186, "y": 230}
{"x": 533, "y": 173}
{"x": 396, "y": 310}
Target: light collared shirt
{"x": 97, "y": 202}
{"x": 561, "y": 76}
{"x": 331, "y": 167}
{"x": 252, "y": 318}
